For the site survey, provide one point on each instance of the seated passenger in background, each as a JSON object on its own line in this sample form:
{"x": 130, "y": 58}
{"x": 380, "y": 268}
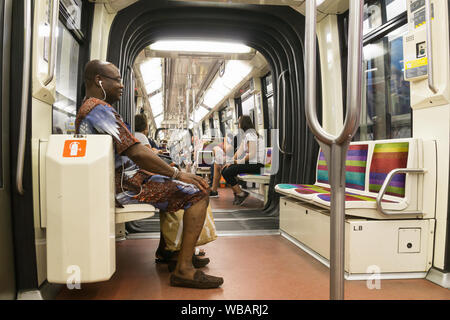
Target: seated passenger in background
{"x": 166, "y": 188}
{"x": 249, "y": 158}
{"x": 153, "y": 144}
{"x": 229, "y": 146}
{"x": 141, "y": 131}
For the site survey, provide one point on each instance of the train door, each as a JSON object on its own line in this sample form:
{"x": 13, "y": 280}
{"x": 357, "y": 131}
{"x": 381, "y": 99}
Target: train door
{"x": 7, "y": 275}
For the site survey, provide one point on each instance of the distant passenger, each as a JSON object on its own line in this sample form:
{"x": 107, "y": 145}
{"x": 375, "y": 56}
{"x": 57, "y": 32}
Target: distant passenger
{"x": 249, "y": 158}
{"x": 168, "y": 189}
{"x": 141, "y": 131}
{"x": 227, "y": 148}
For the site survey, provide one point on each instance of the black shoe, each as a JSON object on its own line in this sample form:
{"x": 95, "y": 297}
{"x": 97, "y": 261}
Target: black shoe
{"x": 235, "y": 200}
{"x": 240, "y": 199}
{"x": 213, "y": 194}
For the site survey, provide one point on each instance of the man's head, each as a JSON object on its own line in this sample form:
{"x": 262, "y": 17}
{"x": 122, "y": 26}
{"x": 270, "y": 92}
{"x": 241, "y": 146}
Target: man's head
{"x": 103, "y": 78}
{"x": 140, "y": 123}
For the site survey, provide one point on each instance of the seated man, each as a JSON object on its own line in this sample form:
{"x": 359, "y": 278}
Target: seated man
{"x": 166, "y": 188}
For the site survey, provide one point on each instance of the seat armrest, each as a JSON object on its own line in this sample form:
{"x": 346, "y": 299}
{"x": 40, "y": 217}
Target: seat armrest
{"x": 384, "y": 188}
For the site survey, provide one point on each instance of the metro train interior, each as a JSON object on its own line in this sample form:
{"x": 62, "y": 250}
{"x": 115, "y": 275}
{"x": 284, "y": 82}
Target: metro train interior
{"x": 365, "y": 217}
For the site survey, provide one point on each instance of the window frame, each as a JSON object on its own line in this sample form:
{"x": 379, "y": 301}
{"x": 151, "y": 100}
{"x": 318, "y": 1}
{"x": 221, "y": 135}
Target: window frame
{"x": 266, "y": 95}
{"x": 373, "y": 36}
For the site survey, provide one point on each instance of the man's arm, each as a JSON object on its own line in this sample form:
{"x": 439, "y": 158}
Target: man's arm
{"x": 149, "y": 161}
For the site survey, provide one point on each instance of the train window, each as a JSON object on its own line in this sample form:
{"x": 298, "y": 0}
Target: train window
{"x": 372, "y": 16}
{"x": 268, "y": 95}
{"x": 387, "y": 103}
{"x": 394, "y": 8}
{"x": 386, "y": 111}
{"x": 227, "y": 119}
{"x": 203, "y": 128}
{"x": 248, "y": 105}
{"x": 378, "y": 12}
{"x": 64, "y": 108}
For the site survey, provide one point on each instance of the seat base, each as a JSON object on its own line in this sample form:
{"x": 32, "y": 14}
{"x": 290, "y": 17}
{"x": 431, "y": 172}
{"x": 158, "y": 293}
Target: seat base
{"x": 254, "y": 178}
{"x": 132, "y": 212}
{"x": 406, "y": 245}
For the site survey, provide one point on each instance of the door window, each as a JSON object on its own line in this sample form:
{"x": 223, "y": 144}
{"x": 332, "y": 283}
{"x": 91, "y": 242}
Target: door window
{"x": 64, "y": 108}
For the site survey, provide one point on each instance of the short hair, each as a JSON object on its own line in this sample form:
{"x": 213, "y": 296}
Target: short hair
{"x": 140, "y": 122}
{"x": 93, "y": 68}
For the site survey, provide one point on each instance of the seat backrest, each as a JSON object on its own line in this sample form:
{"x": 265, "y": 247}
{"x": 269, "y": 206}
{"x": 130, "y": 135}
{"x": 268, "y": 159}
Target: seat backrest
{"x": 267, "y": 170}
{"x": 355, "y": 166}
{"x": 204, "y": 158}
{"x": 386, "y": 157}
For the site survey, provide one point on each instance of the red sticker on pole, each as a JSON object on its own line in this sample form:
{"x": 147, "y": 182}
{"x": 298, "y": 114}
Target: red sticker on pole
{"x": 74, "y": 148}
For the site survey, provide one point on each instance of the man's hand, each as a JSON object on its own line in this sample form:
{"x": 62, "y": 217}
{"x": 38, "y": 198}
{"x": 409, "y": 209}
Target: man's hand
{"x": 194, "y": 179}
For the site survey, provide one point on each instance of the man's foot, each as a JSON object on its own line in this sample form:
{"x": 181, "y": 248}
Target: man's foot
{"x": 213, "y": 194}
{"x": 199, "y": 281}
{"x": 196, "y": 262}
{"x": 241, "y": 198}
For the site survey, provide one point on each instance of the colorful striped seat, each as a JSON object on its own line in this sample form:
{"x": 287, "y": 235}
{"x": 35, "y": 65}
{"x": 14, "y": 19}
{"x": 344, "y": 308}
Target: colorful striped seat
{"x": 353, "y": 200}
{"x": 363, "y": 180}
{"x": 355, "y": 175}
{"x": 311, "y": 189}
{"x": 355, "y": 167}
{"x": 387, "y": 157}
{"x": 288, "y": 186}
{"x": 322, "y": 169}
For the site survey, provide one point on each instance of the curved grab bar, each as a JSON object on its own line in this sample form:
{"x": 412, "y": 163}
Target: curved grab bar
{"x": 52, "y": 49}
{"x": 354, "y": 72}
{"x": 431, "y": 84}
{"x": 335, "y": 147}
{"x": 282, "y": 75}
{"x": 24, "y": 99}
{"x": 384, "y": 188}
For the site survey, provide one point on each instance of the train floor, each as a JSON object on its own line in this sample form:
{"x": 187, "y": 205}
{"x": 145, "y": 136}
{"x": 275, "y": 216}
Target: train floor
{"x": 253, "y": 267}
{"x": 225, "y": 201}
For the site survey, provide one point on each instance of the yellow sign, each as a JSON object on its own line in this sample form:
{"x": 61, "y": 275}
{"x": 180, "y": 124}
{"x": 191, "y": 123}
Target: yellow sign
{"x": 416, "y": 63}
